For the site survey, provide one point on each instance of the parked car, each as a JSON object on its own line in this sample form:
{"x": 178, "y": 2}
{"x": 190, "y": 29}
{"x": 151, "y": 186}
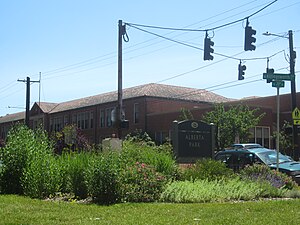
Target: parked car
{"x": 247, "y": 145}
{"x": 237, "y": 159}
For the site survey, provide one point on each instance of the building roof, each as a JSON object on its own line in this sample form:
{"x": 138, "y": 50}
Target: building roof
{"x": 12, "y": 117}
{"x": 149, "y": 90}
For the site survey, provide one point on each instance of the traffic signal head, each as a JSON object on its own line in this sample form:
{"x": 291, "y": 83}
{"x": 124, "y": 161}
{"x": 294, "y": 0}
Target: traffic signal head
{"x": 241, "y": 69}
{"x": 208, "y": 43}
{"x": 249, "y": 39}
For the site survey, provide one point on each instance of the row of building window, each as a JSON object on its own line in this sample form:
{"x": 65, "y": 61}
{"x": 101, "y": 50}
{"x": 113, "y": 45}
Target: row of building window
{"x": 85, "y": 120}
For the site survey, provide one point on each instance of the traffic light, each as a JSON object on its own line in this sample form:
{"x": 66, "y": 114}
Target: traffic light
{"x": 249, "y": 39}
{"x": 208, "y": 43}
{"x": 269, "y": 72}
{"x": 241, "y": 68}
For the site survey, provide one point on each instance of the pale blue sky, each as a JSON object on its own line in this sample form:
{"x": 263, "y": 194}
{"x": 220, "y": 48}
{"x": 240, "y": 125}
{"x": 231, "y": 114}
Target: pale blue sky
{"x": 73, "y": 43}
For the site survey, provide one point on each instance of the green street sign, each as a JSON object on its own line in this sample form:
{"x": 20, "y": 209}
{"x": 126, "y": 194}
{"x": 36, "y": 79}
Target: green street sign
{"x": 278, "y": 76}
{"x": 278, "y": 84}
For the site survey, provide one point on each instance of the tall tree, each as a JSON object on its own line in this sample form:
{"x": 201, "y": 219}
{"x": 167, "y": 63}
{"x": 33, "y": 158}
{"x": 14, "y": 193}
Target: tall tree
{"x": 231, "y": 123}
{"x": 186, "y": 114}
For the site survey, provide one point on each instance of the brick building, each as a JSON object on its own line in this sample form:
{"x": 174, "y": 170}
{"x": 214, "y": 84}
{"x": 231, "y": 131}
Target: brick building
{"x": 151, "y": 108}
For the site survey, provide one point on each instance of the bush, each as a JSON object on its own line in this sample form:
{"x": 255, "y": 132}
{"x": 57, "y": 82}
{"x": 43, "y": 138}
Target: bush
{"x": 140, "y": 183}
{"x": 160, "y": 157}
{"x": 201, "y": 191}
{"x": 263, "y": 173}
{"x": 41, "y": 176}
{"x": 74, "y": 167}
{"x": 206, "y": 169}
{"x": 21, "y": 142}
{"x": 103, "y": 179}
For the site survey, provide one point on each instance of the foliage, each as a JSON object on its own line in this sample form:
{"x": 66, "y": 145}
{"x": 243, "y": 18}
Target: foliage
{"x": 231, "y": 123}
{"x": 69, "y": 139}
{"x": 74, "y": 173}
{"x": 285, "y": 140}
{"x": 21, "y": 142}
{"x": 160, "y": 157}
{"x": 263, "y": 173}
{"x": 41, "y": 177}
{"x": 186, "y": 114}
{"x": 103, "y": 179}
{"x": 206, "y": 169}
{"x": 211, "y": 191}
{"x": 140, "y": 183}
{"x": 2, "y": 143}
{"x": 140, "y": 137}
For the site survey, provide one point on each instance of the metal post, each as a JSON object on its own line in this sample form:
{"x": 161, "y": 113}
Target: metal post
{"x": 120, "y": 91}
{"x": 277, "y": 139}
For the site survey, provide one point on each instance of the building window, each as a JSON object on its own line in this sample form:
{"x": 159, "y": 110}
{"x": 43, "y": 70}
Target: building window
{"x": 66, "y": 120}
{"x": 108, "y": 117}
{"x": 102, "y": 118}
{"x": 136, "y": 111}
{"x": 4, "y": 132}
{"x": 56, "y": 124}
{"x": 91, "y": 120}
{"x": 260, "y": 135}
{"x": 83, "y": 120}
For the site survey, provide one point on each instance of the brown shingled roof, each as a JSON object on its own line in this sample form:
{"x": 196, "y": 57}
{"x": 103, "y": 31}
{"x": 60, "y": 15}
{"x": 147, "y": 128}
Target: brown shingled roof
{"x": 150, "y": 90}
{"x": 12, "y": 117}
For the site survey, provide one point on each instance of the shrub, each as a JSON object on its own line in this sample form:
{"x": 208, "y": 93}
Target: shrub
{"x": 210, "y": 191}
{"x": 140, "y": 183}
{"x": 74, "y": 167}
{"x": 103, "y": 178}
{"x": 41, "y": 176}
{"x": 206, "y": 169}
{"x": 15, "y": 155}
{"x": 160, "y": 157}
{"x": 262, "y": 173}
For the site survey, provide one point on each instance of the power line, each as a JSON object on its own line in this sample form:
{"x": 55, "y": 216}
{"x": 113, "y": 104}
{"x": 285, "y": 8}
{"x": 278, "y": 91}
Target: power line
{"x": 201, "y": 30}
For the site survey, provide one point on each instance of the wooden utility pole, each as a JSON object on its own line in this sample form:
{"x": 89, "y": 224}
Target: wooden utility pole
{"x": 27, "y": 112}
{"x": 293, "y": 94}
{"x": 120, "y": 90}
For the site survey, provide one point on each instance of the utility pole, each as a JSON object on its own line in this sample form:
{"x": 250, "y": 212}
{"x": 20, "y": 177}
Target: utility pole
{"x": 27, "y": 81}
{"x": 293, "y": 93}
{"x": 120, "y": 90}
{"x": 295, "y": 146}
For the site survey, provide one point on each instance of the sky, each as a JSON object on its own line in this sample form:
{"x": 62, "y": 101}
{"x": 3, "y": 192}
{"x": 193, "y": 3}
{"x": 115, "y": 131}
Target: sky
{"x": 71, "y": 46}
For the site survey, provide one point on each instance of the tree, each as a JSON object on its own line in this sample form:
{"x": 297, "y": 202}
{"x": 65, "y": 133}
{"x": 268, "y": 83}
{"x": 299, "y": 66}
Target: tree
{"x": 285, "y": 138}
{"x": 231, "y": 123}
{"x": 186, "y": 114}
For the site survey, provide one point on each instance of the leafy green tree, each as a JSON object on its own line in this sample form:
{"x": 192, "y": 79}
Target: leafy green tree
{"x": 186, "y": 114}
{"x": 232, "y": 122}
{"x": 285, "y": 139}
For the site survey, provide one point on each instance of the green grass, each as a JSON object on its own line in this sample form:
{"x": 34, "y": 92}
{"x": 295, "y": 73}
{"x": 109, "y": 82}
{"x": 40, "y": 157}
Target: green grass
{"x": 22, "y": 210}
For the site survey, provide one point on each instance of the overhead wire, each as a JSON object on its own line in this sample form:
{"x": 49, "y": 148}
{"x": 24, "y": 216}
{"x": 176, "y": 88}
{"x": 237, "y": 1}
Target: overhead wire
{"x": 202, "y": 30}
{"x": 114, "y": 62}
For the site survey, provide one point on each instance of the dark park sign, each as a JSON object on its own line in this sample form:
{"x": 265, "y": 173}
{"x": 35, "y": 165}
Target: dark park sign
{"x": 193, "y": 140}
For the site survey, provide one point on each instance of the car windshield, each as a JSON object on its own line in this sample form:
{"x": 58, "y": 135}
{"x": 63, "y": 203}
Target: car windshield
{"x": 270, "y": 157}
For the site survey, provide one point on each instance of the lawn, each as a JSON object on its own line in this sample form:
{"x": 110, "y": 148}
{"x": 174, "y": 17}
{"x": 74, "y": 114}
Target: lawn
{"x": 22, "y": 210}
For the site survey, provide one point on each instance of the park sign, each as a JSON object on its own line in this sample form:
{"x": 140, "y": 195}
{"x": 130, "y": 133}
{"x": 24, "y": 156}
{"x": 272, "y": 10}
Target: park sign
{"x": 193, "y": 140}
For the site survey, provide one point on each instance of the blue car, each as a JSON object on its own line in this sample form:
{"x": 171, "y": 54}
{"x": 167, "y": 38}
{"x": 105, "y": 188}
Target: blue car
{"x": 238, "y": 158}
